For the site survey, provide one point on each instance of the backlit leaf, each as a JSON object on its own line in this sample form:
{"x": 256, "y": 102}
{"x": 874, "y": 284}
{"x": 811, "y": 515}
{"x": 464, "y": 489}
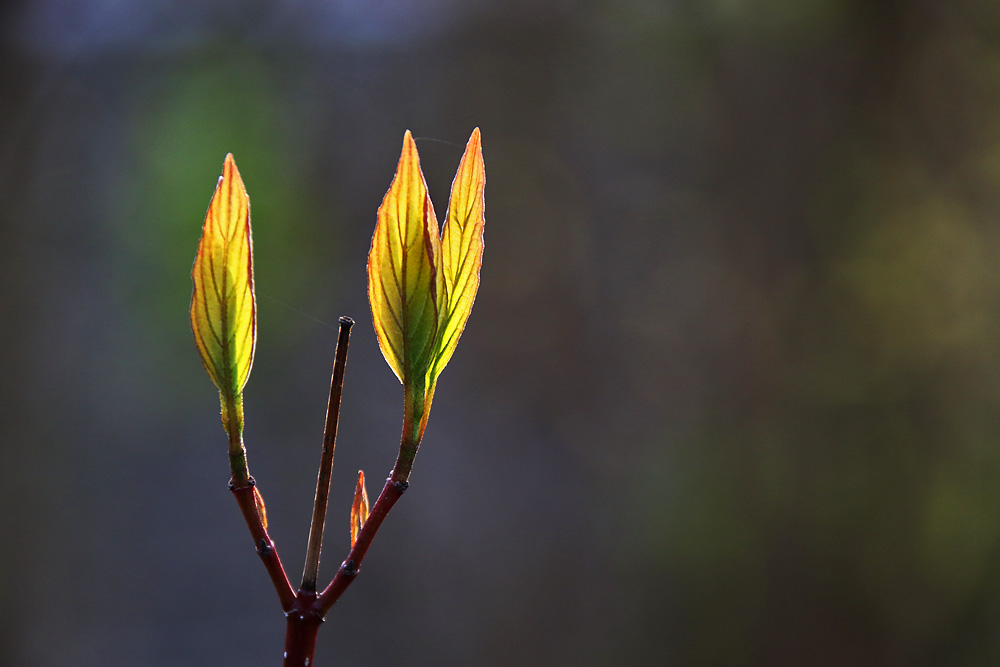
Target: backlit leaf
{"x": 421, "y": 287}
{"x": 402, "y": 277}
{"x": 359, "y": 509}
{"x": 461, "y": 252}
{"x": 223, "y": 309}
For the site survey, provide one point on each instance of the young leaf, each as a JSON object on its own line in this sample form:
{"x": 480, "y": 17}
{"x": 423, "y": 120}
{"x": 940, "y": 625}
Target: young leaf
{"x": 359, "y": 510}
{"x": 420, "y": 292}
{"x": 223, "y": 309}
{"x": 258, "y": 500}
{"x": 461, "y": 252}
{"x": 402, "y": 275}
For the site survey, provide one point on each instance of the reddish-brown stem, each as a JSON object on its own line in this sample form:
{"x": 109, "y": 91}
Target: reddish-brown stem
{"x": 352, "y": 564}
{"x": 315, "y": 546}
{"x": 265, "y": 546}
{"x": 300, "y": 634}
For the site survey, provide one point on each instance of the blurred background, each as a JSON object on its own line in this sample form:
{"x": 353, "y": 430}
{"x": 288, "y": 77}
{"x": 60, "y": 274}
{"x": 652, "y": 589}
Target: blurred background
{"x": 730, "y": 394}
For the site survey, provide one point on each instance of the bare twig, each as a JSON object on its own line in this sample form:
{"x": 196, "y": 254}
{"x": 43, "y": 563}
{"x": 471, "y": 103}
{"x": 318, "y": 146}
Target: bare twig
{"x": 311, "y": 568}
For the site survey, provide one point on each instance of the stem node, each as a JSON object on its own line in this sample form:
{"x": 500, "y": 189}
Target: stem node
{"x": 263, "y": 548}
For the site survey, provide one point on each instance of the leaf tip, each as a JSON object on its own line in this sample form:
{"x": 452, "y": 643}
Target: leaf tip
{"x": 475, "y": 147}
{"x": 409, "y": 147}
{"x": 231, "y": 174}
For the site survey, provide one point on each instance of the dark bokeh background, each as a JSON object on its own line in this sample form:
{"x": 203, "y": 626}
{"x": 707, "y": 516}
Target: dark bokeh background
{"x": 730, "y": 394}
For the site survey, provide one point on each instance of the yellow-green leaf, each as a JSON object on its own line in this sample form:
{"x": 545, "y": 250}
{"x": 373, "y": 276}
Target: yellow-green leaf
{"x": 359, "y": 509}
{"x": 461, "y": 252}
{"x": 223, "y": 309}
{"x": 402, "y": 277}
{"x": 421, "y": 298}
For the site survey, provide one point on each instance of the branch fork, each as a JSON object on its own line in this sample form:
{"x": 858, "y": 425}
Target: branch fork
{"x": 306, "y": 608}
